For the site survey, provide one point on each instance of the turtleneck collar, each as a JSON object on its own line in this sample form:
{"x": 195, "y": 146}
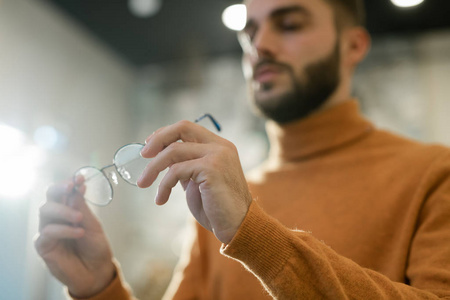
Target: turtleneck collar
{"x": 316, "y": 134}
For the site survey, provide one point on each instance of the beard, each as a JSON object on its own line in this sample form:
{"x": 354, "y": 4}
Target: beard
{"x": 304, "y": 97}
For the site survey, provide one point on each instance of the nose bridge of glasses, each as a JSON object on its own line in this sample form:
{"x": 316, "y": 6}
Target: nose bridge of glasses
{"x": 110, "y": 173}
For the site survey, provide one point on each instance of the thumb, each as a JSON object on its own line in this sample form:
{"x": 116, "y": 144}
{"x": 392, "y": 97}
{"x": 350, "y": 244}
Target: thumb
{"x": 77, "y": 201}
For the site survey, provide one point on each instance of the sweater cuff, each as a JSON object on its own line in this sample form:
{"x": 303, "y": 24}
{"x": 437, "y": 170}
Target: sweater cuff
{"x": 117, "y": 289}
{"x": 262, "y": 244}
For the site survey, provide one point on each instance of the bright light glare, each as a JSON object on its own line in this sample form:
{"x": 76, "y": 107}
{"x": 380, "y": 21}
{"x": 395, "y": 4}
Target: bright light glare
{"x": 406, "y": 3}
{"x": 11, "y": 139}
{"x": 18, "y": 163}
{"x": 46, "y": 137}
{"x": 144, "y": 8}
{"x": 235, "y": 17}
{"x": 16, "y": 178}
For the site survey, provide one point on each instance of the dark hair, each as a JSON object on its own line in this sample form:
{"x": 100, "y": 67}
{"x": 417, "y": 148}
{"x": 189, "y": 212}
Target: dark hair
{"x": 348, "y": 12}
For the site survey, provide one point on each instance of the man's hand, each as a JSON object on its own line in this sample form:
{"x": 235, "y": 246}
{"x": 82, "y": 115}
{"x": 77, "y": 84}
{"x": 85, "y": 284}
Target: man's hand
{"x": 72, "y": 243}
{"x": 209, "y": 170}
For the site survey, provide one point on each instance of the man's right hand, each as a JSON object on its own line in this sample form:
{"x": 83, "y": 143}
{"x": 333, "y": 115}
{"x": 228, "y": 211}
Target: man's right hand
{"x": 72, "y": 242}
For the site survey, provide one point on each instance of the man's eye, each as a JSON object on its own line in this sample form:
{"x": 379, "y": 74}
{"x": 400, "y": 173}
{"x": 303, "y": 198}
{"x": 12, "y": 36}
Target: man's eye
{"x": 290, "y": 26}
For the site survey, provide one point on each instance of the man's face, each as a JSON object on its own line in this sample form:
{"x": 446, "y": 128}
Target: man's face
{"x": 291, "y": 56}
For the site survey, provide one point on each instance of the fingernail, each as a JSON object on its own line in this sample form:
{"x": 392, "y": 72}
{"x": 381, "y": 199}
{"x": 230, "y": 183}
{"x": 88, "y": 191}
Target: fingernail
{"x": 139, "y": 181}
{"x": 144, "y": 149}
{"x": 156, "y": 197}
{"x": 149, "y": 138}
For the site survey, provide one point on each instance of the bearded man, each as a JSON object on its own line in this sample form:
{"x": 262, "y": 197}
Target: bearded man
{"x": 339, "y": 210}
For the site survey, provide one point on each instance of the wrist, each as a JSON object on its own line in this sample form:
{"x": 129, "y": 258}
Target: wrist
{"x": 100, "y": 282}
{"x": 227, "y": 236}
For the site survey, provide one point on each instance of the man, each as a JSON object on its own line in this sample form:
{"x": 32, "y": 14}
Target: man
{"x": 339, "y": 210}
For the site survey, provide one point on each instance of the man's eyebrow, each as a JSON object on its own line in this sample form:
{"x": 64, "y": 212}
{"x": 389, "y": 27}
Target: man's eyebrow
{"x": 290, "y": 9}
{"x": 280, "y": 12}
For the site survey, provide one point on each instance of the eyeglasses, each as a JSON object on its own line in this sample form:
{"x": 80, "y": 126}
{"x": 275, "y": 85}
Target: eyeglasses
{"x": 97, "y": 187}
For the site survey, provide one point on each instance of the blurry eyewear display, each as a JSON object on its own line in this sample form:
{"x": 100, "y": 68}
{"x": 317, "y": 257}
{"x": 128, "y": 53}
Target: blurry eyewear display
{"x": 97, "y": 187}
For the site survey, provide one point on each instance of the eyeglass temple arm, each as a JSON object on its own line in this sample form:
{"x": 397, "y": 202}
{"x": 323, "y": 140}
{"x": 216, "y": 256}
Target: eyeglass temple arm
{"x": 213, "y": 120}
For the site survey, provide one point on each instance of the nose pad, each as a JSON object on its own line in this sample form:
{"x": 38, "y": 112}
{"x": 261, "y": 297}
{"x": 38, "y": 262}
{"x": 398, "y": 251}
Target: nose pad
{"x": 124, "y": 173}
{"x": 113, "y": 177}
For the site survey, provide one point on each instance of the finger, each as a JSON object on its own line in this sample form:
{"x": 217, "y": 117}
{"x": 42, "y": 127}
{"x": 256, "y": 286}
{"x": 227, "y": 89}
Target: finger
{"x": 185, "y": 183}
{"x": 177, "y": 172}
{"x": 53, "y": 233}
{"x": 52, "y": 212}
{"x": 174, "y": 153}
{"x": 79, "y": 179}
{"x": 90, "y": 222}
{"x": 81, "y": 189}
{"x": 151, "y": 135}
{"x": 59, "y": 192}
{"x": 184, "y": 130}
{"x": 79, "y": 185}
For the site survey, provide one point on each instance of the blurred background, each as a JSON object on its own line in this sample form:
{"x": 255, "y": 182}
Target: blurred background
{"x": 79, "y": 79}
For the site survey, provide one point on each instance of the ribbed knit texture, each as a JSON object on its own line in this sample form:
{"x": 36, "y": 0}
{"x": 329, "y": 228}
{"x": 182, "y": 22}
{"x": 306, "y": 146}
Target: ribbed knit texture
{"x": 266, "y": 241}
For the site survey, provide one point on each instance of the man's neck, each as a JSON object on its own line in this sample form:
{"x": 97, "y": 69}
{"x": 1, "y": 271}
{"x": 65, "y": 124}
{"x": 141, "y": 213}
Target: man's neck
{"x": 340, "y": 95}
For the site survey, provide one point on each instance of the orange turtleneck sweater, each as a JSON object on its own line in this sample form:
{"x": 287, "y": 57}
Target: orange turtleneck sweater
{"x": 342, "y": 211}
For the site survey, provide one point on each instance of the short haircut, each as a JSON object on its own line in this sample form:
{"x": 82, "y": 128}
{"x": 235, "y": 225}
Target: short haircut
{"x": 348, "y": 12}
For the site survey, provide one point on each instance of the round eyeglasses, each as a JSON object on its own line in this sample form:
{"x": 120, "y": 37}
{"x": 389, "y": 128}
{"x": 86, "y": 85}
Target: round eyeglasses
{"x": 97, "y": 186}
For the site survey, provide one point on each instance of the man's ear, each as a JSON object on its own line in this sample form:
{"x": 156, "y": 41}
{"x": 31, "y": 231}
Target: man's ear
{"x": 356, "y": 43}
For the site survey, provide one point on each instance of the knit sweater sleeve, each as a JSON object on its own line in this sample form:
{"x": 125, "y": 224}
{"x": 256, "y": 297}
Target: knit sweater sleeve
{"x": 118, "y": 289}
{"x": 295, "y": 265}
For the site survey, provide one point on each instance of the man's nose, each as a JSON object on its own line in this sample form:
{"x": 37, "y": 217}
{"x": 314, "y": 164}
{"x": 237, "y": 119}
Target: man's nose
{"x": 265, "y": 43}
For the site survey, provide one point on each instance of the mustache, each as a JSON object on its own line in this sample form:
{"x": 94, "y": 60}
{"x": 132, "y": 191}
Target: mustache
{"x": 271, "y": 63}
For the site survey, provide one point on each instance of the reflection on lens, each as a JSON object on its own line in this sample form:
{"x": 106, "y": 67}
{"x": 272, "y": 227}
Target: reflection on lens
{"x": 98, "y": 189}
{"x": 129, "y": 162}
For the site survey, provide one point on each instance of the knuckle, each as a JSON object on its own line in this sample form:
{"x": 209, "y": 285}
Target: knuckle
{"x": 43, "y": 210}
{"x": 213, "y": 163}
{"x": 224, "y": 152}
{"x": 229, "y": 145}
{"x": 154, "y": 134}
{"x": 50, "y": 191}
{"x": 173, "y": 148}
{"x": 49, "y": 210}
{"x": 163, "y": 186}
{"x": 172, "y": 153}
{"x": 38, "y": 244}
{"x": 173, "y": 170}
{"x": 182, "y": 125}
{"x": 47, "y": 230}
{"x": 57, "y": 190}
{"x": 37, "y": 241}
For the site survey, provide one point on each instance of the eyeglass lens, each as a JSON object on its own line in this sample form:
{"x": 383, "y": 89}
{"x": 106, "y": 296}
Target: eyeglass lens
{"x": 129, "y": 162}
{"x": 96, "y": 187}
